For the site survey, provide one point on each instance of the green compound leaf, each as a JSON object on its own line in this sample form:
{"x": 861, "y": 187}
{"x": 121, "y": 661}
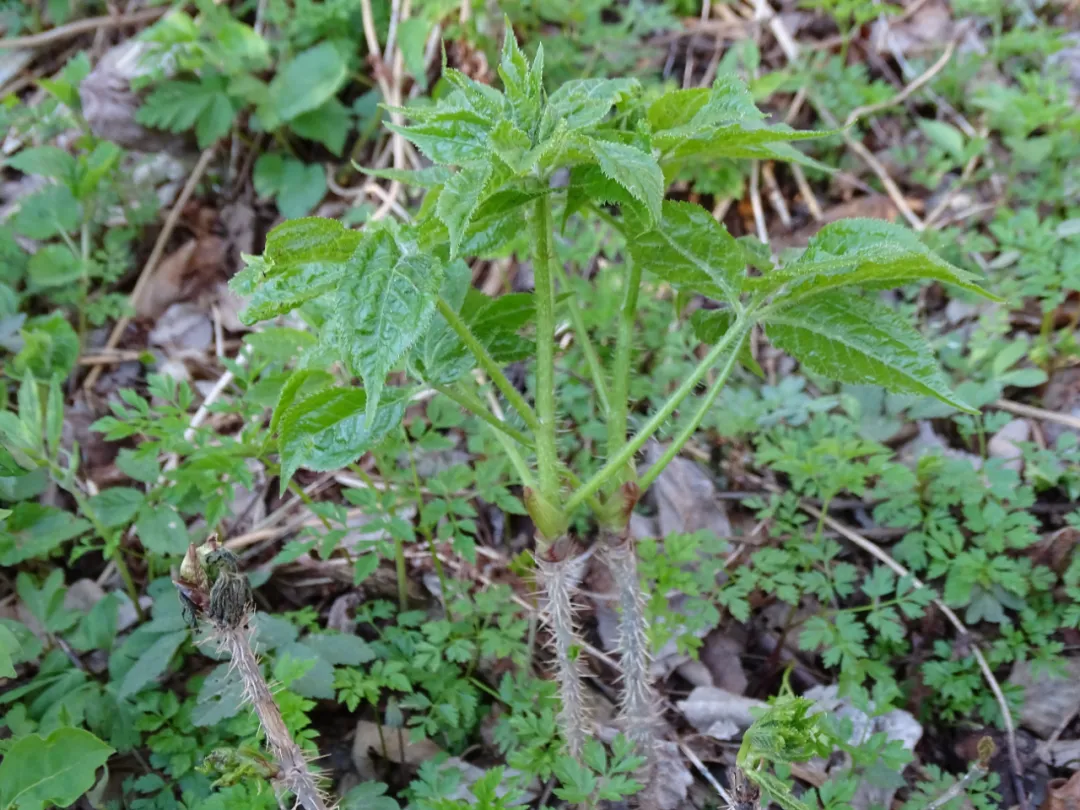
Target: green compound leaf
{"x": 382, "y": 307}
{"x": 331, "y": 429}
{"x": 635, "y": 170}
{"x": 56, "y": 770}
{"x": 856, "y": 340}
{"x": 863, "y": 252}
{"x": 304, "y": 258}
{"x": 688, "y": 248}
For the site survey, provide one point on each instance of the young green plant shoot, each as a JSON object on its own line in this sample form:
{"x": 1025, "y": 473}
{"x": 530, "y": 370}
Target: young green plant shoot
{"x": 508, "y": 169}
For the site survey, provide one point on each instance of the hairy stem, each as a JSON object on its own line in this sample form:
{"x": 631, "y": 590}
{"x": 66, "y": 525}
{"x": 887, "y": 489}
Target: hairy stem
{"x": 470, "y": 402}
{"x": 487, "y": 362}
{"x": 616, "y": 462}
{"x": 543, "y": 257}
{"x": 620, "y": 376}
{"x": 560, "y": 579}
{"x": 637, "y": 707}
{"x": 691, "y": 427}
{"x": 295, "y": 774}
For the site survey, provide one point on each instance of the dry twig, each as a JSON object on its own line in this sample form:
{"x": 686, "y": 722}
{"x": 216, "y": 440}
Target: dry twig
{"x": 155, "y": 256}
{"x": 74, "y": 29}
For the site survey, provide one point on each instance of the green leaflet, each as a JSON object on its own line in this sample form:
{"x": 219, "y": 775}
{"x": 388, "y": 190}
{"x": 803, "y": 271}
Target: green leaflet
{"x": 524, "y": 84}
{"x": 588, "y": 184}
{"x": 9, "y": 647}
{"x": 331, "y": 429}
{"x": 855, "y": 340}
{"x": 452, "y": 137}
{"x": 301, "y": 384}
{"x": 48, "y": 161}
{"x": 440, "y": 358}
{"x": 513, "y": 147}
{"x": 161, "y": 530}
{"x": 303, "y": 259}
{"x": 33, "y": 531}
{"x": 688, "y": 248}
{"x": 382, "y": 307}
{"x": 584, "y": 103}
{"x": 741, "y": 140}
{"x": 727, "y": 100}
{"x": 863, "y": 252}
{"x": 460, "y": 197}
{"x": 635, "y": 170}
{"x": 427, "y": 177}
{"x": 303, "y": 84}
{"x": 55, "y": 770}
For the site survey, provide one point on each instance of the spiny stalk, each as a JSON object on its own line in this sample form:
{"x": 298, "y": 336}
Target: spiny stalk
{"x": 227, "y": 604}
{"x": 637, "y": 706}
{"x": 559, "y": 579}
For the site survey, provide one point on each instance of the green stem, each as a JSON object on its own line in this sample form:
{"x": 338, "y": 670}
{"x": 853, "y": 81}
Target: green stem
{"x": 520, "y": 467}
{"x": 543, "y": 258}
{"x": 695, "y": 422}
{"x": 596, "y": 369}
{"x": 616, "y": 462}
{"x": 620, "y": 380}
{"x": 489, "y": 365}
{"x": 470, "y": 402}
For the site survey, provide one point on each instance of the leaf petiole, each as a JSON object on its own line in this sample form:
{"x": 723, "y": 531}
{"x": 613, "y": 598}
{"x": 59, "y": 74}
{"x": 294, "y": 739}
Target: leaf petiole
{"x": 626, "y": 453}
{"x": 487, "y": 362}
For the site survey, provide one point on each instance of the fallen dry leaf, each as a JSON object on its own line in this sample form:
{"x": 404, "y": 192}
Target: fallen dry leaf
{"x": 109, "y": 103}
{"x": 1063, "y": 794}
{"x": 718, "y": 713}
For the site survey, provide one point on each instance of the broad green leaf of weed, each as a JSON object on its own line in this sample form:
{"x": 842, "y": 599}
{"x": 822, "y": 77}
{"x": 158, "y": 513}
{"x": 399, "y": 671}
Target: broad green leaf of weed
{"x": 382, "y": 308}
{"x": 330, "y": 429}
{"x": 116, "y": 506}
{"x": 33, "y": 531}
{"x": 47, "y": 213}
{"x": 47, "y": 161}
{"x": 56, "y": 770}
{"x": 304, "y": 83}
{"x": 328, "y": 124}
{"x": 9, "y": 648}
{"x": 303, "y": 259}
{"x": 584, "y": 103}
{"x": 460, "y": 197}
{"x": 523, "y": 83}
{"x": 151, "y": 661}
{"x": 864, "y": 252}
{"x": 856, "y": 340}
{"x": 449, "y": 137}
{"x": 161, "y": 530}
{"x": 688, "y": 248}
{"x": 633, "y": 169}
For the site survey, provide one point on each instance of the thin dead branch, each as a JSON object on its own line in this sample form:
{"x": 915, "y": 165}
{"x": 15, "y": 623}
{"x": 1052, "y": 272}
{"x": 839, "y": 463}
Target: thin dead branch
{"x": 74, "y": 29}
{"x": 155, "y": 256}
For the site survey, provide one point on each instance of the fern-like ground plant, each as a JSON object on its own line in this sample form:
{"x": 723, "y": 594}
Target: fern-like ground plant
{"x": 508, "y": 168}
